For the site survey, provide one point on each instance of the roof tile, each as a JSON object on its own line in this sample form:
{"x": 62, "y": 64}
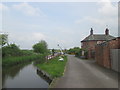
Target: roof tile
{"x": 98, "y": 37}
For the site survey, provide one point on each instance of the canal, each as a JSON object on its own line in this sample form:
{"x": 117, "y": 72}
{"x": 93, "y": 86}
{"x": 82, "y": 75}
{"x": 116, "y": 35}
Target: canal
{"x": 23, "y": 76}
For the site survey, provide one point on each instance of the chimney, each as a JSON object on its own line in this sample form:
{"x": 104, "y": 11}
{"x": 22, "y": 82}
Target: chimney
{"x": 107, "y": 31}
{"x": 91, "y": 31}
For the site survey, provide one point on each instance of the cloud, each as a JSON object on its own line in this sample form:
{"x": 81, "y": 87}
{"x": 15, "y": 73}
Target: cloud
{"x": 3, "y": 7}
{"x": 35, "y": 36}
{"x": 102, "y": 22}
{"x": 78, "y": 21}
{"x": 26, "y": 40}
{"x": 38, "y": 36}
{"x": 107, "y": 8}
{"x": 28, "y": 9}
{"x": 107, "y": 14}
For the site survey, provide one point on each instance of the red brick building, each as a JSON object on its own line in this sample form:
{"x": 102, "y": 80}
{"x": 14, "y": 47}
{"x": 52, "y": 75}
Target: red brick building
{"x": 93, "y": 39}
{"x": 103, "y": 52}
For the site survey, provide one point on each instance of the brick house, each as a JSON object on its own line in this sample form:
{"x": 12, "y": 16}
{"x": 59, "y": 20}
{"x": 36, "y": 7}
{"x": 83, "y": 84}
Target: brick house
{"x": 104, "y": 53}
{"x": 93, "y": 39}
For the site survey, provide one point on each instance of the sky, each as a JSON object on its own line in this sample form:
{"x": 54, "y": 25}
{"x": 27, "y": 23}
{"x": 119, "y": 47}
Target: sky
{"x": 63, "y": 23}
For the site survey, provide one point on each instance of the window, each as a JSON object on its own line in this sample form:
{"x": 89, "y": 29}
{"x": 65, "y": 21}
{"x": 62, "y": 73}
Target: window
{"x": 99, "y": 42}
{"x": 81, "y": 44}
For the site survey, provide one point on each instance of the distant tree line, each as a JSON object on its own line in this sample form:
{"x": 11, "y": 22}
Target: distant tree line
{"x": 14, "y": 50}
{"x": 77, "y": 52}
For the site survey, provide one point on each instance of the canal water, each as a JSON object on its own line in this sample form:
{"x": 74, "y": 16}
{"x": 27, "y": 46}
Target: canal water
{"x": 23, "y": 76}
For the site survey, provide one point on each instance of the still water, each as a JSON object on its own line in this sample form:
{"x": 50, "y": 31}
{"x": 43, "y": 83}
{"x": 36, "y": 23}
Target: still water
{"x": 23, "y": 76}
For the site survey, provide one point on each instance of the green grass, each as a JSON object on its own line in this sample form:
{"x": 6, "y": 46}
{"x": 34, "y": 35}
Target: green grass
{"x": 54, "y": 67}
{"x": 10, "y": 61}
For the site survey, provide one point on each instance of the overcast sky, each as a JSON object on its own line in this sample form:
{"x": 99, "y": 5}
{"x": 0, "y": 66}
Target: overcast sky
{"x": 64, "y": 23}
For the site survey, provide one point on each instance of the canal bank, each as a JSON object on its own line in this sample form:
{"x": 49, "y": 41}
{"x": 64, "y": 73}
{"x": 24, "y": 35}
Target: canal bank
{"x": 23, "y": 76}
{"x": 29, "y": 75}
{"x": 55, "y": 80}
{"x": 52, "y": 70}
{"x": 45, "y": 75}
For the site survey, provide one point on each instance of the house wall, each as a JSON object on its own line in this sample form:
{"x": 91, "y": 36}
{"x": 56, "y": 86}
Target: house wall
{"x": 90, "y": 46}
{"x": 102, "y": 52}
{"x": 115, "y": 44}
{"x": 99, "y": 54}
{"x": 106, "y": 56}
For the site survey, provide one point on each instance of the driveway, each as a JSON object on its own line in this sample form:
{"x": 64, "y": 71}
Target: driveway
{"x": 86, "y": 74}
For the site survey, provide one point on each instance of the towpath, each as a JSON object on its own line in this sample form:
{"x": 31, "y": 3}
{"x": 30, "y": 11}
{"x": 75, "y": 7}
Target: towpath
{"x": 86, "y": 74}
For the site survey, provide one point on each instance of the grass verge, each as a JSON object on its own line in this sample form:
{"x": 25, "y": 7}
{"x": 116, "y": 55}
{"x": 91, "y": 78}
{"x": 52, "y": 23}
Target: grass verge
{"x": 54, "y": 67}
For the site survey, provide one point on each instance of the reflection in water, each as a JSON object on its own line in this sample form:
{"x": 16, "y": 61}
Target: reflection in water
{"x": 11, "y": 72}
{"x": 23, "y": 76}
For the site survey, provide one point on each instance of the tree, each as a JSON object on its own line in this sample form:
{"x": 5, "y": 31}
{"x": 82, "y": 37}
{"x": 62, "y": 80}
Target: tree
{"x": 76, "y": 50}
{"x": 41, "y": 47}
{"x": 3, "y": 39}
{"x": 53, "y": 52}
{"x": 11, "y": 50}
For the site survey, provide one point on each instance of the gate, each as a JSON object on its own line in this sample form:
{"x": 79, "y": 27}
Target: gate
{"x": 114, "y": 55}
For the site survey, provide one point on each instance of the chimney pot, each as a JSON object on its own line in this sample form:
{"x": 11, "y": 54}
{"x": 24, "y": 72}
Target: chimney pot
{"x": 107, "y": 31}
{"x": 91, "y": 31}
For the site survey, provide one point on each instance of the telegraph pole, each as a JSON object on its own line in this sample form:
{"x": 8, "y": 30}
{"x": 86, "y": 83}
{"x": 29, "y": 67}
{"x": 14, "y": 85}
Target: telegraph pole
{"x": 60, "y": 49}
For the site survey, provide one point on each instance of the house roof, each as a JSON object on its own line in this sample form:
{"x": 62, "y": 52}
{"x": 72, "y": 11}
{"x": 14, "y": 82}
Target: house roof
{"x": 98, "y": 37}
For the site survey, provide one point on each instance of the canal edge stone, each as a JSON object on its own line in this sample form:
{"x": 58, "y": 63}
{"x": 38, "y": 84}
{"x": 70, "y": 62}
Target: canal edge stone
{"x": 52, "y": 84}
{"x": 45, "y": 75}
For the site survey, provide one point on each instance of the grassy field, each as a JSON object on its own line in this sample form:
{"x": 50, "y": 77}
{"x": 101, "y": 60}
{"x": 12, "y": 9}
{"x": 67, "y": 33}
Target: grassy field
{"x": 9, "y": 61}
{"x": 54, "y": 67}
